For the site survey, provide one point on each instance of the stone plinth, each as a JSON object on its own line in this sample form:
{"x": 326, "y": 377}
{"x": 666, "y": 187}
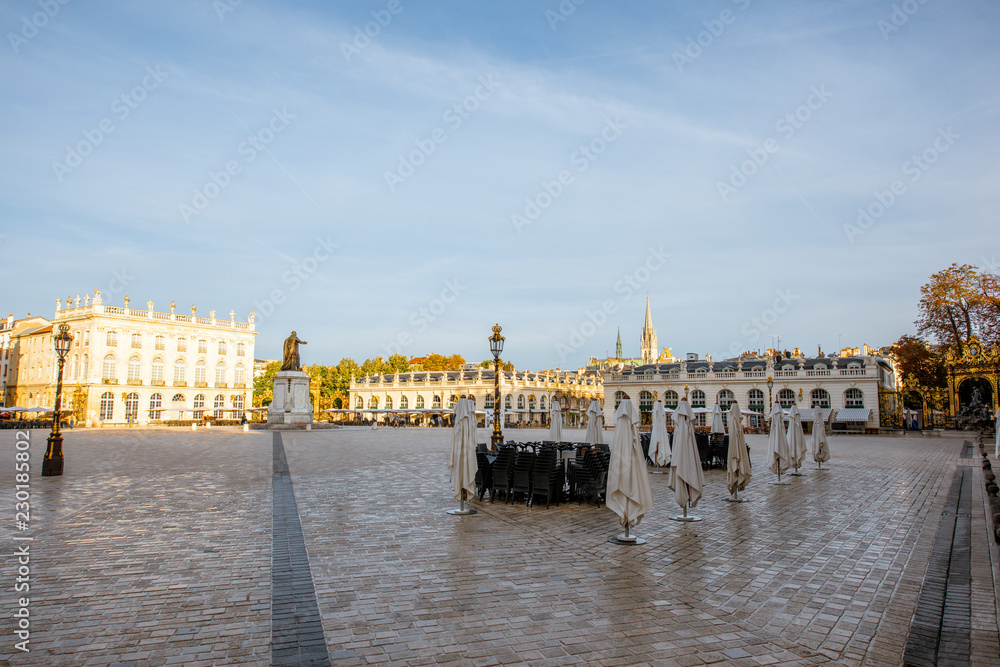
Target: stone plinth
{"x": 290, "y": 406}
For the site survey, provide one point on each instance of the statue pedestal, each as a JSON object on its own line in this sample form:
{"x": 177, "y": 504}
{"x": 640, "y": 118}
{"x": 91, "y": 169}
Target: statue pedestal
{"x": 290, "y": 405}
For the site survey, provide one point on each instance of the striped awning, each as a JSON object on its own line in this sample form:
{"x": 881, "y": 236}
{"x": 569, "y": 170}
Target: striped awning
{"x": 853, "y": 414}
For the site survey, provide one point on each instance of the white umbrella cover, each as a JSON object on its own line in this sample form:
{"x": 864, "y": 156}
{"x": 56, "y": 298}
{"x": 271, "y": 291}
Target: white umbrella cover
{"x": 821, "y": 450}
{"x": 796, "y": 437}
{"x": 595, "y": 422}
{"x": 685, "y": 479}
{"x": 717, "y": 425}
{"x": 996, "y": 427}
{"x": 659, "y": 438}
{"x": 738, "y": 469}
{"x": 555, "y": 421}
{"x": 778, "y": 456}
{"x": 463, "y": 450}
{"x": 628, "y": 492}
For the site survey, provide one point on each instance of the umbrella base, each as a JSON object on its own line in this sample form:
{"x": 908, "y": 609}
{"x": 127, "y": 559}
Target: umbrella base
{"x": 657, "y": 471}
{"x": 462, "y": 512}
{"x": 685, "y": 518}
{"x": 626, "y": 539}
{"x": 734, "y": 499}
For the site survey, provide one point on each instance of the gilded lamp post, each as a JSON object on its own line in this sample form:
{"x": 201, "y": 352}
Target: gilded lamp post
{"x": 496, "y": 347}
{"x": 770, "y": 384}
{"x": 52, "y": 465}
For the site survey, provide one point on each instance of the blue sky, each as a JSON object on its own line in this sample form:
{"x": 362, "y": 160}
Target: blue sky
{"x": 502, "y": 162}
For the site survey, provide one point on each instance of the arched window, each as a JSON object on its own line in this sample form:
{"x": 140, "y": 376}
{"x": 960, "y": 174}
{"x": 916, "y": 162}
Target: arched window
{"x": 786, "y": 398}
{"x": 76, "y": 366}
{"x": 404, "y": 403}
{"x": 473, "y": 399}
{"x": 358, "y": 403}
{"x": 373, "y": 403}
{"x": 199, "y": 406}
{"x": 451, "y": 401}
{"x": 531, "y": 402}
{"x": 219, "y": 405}
{"x": 155, "y": 406}
{"x": 670, "y": 399}
{"x": 541, "y": 403}
{"x": 107, "y": 406}
{"x": 180, "y": 371}
{"x": 645, "y": 402}
{"x": 157, "y": 369}
{"x": 436, "y": 402}
{"x": 520, "y": 402}
{"x": 178, "y": 398}
{"x": 820, "y": 398}
{"x": 419, "y": 403}
{"x": 220, "y": 374}
{"x": 619, "y": 397}
{"x": 755, "y": 400}
{"x": 725, "y": 399}
{"x": 134, "y": 369}
{"x": 131, "y": 407}
{"x": 488, "y": 402}
{"x": 110, "y": 370}
{"x": 240, "y": 378}
{"x": 506, "y": 402}
{"x": 85, "y": 371}
{"x": 697, "y": 398}
{"x": 238, "y": 404}
{"x": 854, "y": 398}
{"x": 388, "y": 402}
{"x": 200, "y": 372}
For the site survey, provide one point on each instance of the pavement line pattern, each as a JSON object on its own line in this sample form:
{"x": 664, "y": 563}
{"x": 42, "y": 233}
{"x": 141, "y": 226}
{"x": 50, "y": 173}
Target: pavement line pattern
{"x": 940, "y": 632}
{"x": 296, "y": 627}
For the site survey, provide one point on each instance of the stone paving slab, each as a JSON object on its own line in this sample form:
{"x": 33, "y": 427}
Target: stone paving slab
{"x": 155, "y": 548}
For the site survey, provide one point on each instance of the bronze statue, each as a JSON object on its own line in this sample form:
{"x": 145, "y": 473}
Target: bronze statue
{"x": 291, "y": 354}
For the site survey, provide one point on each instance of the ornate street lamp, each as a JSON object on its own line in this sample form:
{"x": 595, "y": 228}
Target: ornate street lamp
{"x": 52, "y": 465}
{"x": 496, "y": 347}
{"x": 770, "y": 403}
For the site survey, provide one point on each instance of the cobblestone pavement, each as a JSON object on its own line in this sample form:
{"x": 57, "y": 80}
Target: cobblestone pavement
{"x": 155, "y": 548}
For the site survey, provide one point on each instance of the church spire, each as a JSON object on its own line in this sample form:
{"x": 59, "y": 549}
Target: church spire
{"x": 650, "y": 351}
{"x": 618, "y": 345}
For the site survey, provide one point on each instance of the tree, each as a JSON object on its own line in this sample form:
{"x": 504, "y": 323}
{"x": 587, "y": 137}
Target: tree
{"x": 263, "y": 386}
{"x": 914, "y": 358}
{"x": 988, "y": 317}
{"x": 950, "y": 304}
{"x": 397, "y": 363}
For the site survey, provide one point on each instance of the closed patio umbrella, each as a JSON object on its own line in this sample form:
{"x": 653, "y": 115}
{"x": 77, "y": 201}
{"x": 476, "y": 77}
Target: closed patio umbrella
{"x": 738, "y": 458}
{"x": 595, "y": 422}
{"x": 685, "y": 479}
{"x": 463, "y": 454}
{"x": 628, "y": 492}
{"x": 778, "y": 456}
{"x": 555, "y": 421}
{"x": 659, "y": 438}
{"x": 996, "y": 427}
{"x": 796, "y": 439}
{"x": 717, "y": 425}
{"x": 821, "y": 449}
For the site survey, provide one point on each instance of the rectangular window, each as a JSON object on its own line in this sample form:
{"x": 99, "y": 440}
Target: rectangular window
{"x": 112, "y": 339}
{"x": 137, "y": 341}
{"x": 202, "y": 346}
{"x": 179, "y": 373}
{"x": 222, "y": 347}
{"x": 182, "y": 344}
{"x": 160, "y": 344}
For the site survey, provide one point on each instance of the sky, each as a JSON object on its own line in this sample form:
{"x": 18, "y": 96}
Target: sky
{"x": 397, "y": 176}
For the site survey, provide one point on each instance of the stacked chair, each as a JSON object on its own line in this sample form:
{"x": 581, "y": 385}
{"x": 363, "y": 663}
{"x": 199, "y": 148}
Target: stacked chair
{"x": 501, "y": 473}
{"x": 524, "y": 466}
{"x": 588, "y": 475}
{"x": 548, "y": 477}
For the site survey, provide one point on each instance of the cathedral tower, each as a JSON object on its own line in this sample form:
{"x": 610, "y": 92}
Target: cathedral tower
{"x": 647, "y": 342}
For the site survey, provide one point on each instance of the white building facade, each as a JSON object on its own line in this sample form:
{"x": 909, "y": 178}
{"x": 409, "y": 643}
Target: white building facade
{"x": 141, "y": 366}
{"x": 833, "y": 383}
{"x": 527, "y": 397}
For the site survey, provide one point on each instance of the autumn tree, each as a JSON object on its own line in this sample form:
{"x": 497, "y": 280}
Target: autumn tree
{"x": 916, "y": 359}
{"x": 263, "y": 386}
{"x": 952, "y": 304}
